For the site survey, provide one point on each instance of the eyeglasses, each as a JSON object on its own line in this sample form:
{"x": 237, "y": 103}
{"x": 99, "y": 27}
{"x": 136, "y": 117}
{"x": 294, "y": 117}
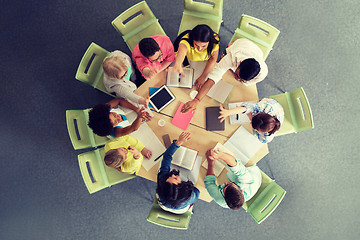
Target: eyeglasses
{"x": 157, "y": 59}
{"x": 124, "y": 74}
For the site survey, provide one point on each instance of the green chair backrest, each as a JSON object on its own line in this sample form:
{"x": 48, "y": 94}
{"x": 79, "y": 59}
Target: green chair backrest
{"x": 166, "y": 219}
{"x": 266, "y": 200}
{"x": 298, "y": 114}
{"x": 136, "y": 23}
{"x": 80, "y": 134}
{"x": 258, "y": 31}
{"x": 195, "y": 13}
{"x": 96, "y": 174}
{"x": 90, "y": 69}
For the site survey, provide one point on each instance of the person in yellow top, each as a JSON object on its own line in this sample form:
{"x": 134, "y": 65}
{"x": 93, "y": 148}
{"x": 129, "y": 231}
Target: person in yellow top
{"x": 126, "y": 154}
{"x": 199, "y": 44}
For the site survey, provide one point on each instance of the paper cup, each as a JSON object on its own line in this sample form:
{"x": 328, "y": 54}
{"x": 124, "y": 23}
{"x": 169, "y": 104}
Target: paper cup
{"x": 161, "y": 122}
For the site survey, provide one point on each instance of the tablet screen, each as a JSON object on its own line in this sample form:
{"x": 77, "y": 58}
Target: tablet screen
{"x": 161, "y": 98}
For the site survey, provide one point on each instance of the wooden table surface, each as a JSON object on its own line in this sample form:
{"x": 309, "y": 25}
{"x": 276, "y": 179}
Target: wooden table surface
{"x": 201, "y": 139}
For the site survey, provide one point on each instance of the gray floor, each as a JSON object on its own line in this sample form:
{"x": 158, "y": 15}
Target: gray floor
{"x": 42, "y": 193}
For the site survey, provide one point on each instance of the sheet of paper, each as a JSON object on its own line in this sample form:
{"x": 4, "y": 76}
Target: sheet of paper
{"x": 220, "y": 91}
{"x": 151, "y": 142}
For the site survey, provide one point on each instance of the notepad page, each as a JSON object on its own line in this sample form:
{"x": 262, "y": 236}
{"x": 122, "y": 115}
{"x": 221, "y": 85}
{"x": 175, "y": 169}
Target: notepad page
{"x": 240, "y": 118}
{"x": 178, "y": 156}
{"x": 145, "y": 135}
{"x": 172, "y": 78}
{"x": 219, "y": 166}
{"x": 189, "y": 158}
{"x": 220, "y": 91}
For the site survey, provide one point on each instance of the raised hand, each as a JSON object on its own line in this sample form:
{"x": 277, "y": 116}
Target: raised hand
{"x": 184, "y": 137}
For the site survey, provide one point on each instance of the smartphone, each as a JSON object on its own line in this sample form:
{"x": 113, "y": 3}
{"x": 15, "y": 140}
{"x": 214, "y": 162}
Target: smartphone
{"x": 166, "y": 139}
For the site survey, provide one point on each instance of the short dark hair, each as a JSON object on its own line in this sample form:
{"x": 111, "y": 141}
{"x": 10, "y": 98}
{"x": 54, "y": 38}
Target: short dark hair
{"x": 266, "y": 123}
{"x": 249, "y": 68}
{"x": 173, "y": 194}
{"x": 233, "y": 196}
{"x": 99, "y": 120}
{"x": 148, "y": 47}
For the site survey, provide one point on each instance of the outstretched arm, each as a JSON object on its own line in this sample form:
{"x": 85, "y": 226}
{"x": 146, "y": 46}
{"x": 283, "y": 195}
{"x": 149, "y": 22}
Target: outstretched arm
{"x": 191, "y": 105}
{"x": 227, "y": 112}
{"x": 208, "y": 68}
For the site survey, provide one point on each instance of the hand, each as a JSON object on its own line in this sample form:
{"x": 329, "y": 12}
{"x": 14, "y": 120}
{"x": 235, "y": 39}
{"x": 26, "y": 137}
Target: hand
{"x": 134, "y": 152}
{"x": 150, "y": 72}
{"x": 191, "y": 105}
{"x": 184, "y": 137}
{"x": 178, "y": 69}
{"x": 209, "y": 158}
{"x": 216, "y": 154}
{"x": 223, "y": 113}
{"x": 144, "y": 114}
{"x": 144, "y": 101}
{"x": 146, "y": 153}
{"x": 199, "y": 83}
{"x": 221, "y": 57}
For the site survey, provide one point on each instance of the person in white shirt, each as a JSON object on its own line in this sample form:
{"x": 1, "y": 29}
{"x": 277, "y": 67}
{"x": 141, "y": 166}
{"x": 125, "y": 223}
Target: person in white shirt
{"x": 119, "y": 77}
{"x": 244, "y": 58}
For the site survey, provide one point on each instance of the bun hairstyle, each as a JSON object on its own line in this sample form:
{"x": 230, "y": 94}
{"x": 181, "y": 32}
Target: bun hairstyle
{"x": 266, "y": 123}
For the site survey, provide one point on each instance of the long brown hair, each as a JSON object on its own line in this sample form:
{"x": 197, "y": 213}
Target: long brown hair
{"x": 266, "y": 123}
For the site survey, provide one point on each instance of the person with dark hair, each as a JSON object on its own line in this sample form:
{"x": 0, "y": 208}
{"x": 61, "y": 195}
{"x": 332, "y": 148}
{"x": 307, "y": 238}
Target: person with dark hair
{"x": 153, "y": 54}
{"x": 243, "y": 183}
{"x": 201, "y": 44}
{"x": 266, "y": 117}
{"x": 126, "y": 154}
{"x": 105, "y": 119}
{"x": 174, "y": 195}
{"x": 244, "y": 59}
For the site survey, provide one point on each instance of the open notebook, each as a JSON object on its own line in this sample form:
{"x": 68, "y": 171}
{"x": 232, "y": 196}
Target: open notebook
{"x": 240, "y": 118}
{"x": 219, "y": 165}
{"x": 174, "y": 79}
{"x": 243, "y": 144}
{"x": 185, "y": 157}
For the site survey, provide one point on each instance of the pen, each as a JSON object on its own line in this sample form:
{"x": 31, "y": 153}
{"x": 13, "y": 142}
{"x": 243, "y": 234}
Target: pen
{"x": 237, "y": 116}
{"x": 158, "y": 157}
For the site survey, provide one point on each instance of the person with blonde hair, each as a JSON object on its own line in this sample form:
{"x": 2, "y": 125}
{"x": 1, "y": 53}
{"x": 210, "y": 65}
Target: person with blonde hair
{"x": 126, "y": 154}
{"x": 119, "y": 77}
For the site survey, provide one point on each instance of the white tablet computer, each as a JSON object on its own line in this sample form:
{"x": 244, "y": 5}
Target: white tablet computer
{"x": 161, "y": 98}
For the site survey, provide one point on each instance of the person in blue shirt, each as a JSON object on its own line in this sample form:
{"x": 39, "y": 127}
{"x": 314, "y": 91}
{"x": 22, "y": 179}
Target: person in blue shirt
{"x": 243, "y": 182}
{"x": 174, "y": 195}
{"x": 106, "y": 120}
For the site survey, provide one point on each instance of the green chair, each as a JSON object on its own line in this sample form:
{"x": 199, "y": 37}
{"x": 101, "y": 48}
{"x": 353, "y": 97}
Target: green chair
{"x": 298, "y": 115}
{"x": 96, "y": 174}
{"x": 195, "y": 13}
{"x": 136, "y": 23}
{"x": 266, "y": 200}
{"x": 166, "y": 219}
{"x": 90, "y": 70}
{"x": 258, "y": 31}
{"x": 80, "y": 134}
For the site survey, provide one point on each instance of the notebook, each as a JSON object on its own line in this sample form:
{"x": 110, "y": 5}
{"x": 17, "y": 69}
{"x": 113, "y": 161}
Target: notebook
{"x": 182, "y": 120}
{"x": 240, "y": 118}
{"x": 220, "y": 91}
{"x": 151, "y": 92}
{"x": 243, "y": 144}
{"x": 185, "y": 157}
{"x": 212, "y": 121}
{"x": 219, "y": 165}
{"x": 174, "y": 79}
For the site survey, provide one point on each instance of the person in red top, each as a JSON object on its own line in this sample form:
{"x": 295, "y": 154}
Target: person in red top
{"x": 153, "y": 54}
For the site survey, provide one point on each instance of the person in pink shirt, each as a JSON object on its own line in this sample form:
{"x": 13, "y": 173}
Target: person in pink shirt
{"x": 153, "y": 54}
